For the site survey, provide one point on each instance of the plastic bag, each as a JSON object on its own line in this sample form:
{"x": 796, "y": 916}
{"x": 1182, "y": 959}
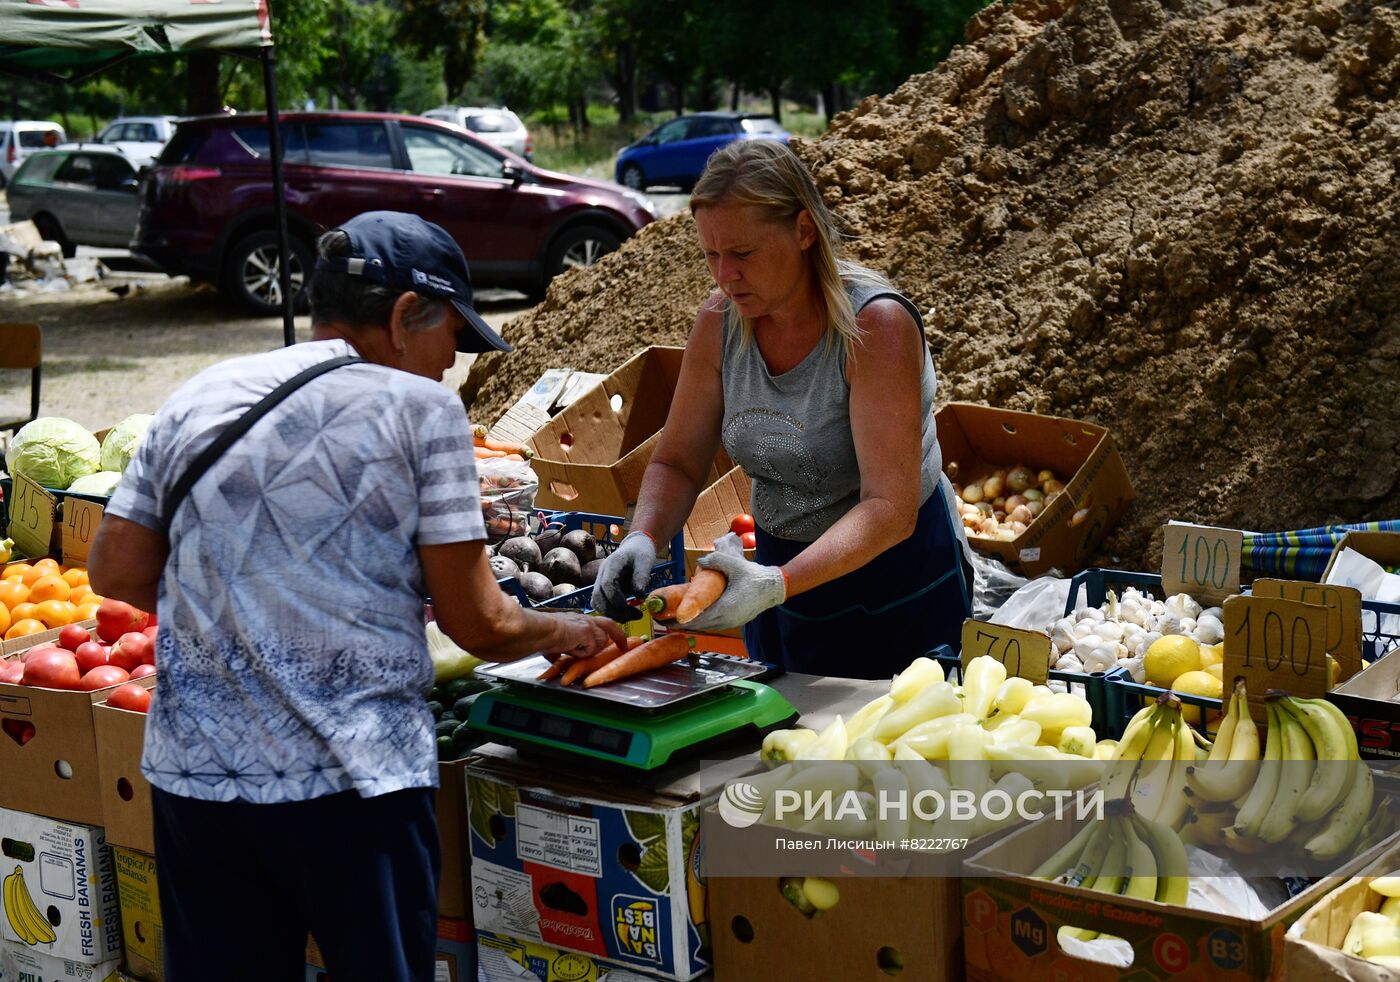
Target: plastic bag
{"x": 992, "y": 584}
{"x": 1041, "y": 602}
{"x": 507, "y": 496}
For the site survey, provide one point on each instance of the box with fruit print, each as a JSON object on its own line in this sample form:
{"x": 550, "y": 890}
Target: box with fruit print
{"x": 48, "y": 684}
{"x": 596, "y": 867}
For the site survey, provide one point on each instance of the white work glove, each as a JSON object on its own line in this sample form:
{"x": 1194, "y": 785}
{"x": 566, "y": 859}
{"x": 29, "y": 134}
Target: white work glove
{"x": 626, "y": 573}
{"x": 751, "y": 589}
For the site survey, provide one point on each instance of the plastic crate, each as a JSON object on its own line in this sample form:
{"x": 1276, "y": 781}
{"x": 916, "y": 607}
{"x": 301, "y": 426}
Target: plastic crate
{"x": 1095, "y": 584}
{"x": 1376, "y": 642}
{"x": 1092, "y": 686}
{"x": 670, "y": 570}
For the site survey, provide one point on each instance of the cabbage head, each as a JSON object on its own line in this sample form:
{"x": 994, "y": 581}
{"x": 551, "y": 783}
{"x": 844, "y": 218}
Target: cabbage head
{"x": 121, "y": 441}
{"x": 53, "y": 452}
{"x": 101, "y": 483}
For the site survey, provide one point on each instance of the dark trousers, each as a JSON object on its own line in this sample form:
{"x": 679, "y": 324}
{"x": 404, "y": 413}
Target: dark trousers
{"x": 242, "y": 884}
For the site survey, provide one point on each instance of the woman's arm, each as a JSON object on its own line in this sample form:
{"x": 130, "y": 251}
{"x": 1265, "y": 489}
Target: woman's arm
{"x": 884, "y": 376}
{"x": 680, "y": 466}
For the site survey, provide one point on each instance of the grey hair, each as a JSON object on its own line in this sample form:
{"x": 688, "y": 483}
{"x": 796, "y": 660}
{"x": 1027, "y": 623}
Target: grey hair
{"x": 339, "y": 298}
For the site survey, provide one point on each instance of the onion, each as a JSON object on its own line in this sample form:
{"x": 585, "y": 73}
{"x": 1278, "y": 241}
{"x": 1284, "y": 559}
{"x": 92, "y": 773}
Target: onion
{"x": 1020, "y": 514}
{"x": 999, "y": 503}
{"x": 1000, "y": 516}
{"x": 984, "y": 508}
{"x": 1035, "y": 507}
{"x": 972, "y": 493}
{"x": 1015, "y": 501}
{"x": 1079, "y": 517}
{"x": 1045, "y": 475}
{"x": 993, "y": 486}
{"x": 1034, "y": 494}
{"x": 951, "y": 469}
{"x": 1052, "y": 487}
{"x": 988, "y": 526}
{"x": 1020, "y": 478}
{"x": 1017, "y": 527}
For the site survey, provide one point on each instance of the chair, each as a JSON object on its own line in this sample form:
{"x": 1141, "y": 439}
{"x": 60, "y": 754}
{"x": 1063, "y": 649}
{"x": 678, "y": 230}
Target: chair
{"x": 22, "y": 346}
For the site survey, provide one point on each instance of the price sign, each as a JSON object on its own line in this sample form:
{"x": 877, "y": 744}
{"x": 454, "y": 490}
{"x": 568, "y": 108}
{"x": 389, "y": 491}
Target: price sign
{"x": 31, "y": 518}
{"x": 1201, "y": 561}
{"x": 1026, "y": 654}
{"x": 1275, "y": 644}
{"x": 1343, "y": 605}
{"x": 80, "y": 521}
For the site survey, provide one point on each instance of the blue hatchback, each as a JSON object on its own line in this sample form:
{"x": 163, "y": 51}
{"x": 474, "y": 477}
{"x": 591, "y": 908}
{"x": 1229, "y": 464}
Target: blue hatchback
{"x": 676, "y": 151}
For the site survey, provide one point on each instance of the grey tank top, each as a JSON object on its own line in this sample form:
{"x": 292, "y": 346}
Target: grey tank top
{"x": 791, "y": 433}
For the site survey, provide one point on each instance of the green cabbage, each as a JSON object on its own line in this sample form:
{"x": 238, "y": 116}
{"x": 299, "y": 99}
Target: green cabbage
{"x": 101, "y": 483}
{"x": 53, "y": 452}
{"x": 121, "y": 441}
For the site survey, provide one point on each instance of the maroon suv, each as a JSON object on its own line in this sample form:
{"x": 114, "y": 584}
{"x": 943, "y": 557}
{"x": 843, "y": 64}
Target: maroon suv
{"x": 207, "y": 203}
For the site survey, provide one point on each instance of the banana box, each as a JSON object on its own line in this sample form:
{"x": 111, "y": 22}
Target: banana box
{"x": 20, "y": 963}
{"x": 594, "y": 867}
{"x": 504, "y": 959}
{"x": 143, "y": 932}
{"x": 59, "y": 889}
{"x": 1312, "y": 947}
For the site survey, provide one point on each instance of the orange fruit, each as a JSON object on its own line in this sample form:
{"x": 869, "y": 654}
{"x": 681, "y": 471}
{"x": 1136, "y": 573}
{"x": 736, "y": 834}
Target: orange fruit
{"x": 23, "y": 628}
{"x": 55, "y": 613}
{"x": 76, "y": 578}
{"x": 22, "y": 610}
{"x": 49, "y": 563}
{"x": 49, "y": 588}
{"x": 80, "y": 594}
{"x": 86, "y": 612}
{"x": 13, "y": 592}
{"x": 16, "y": 570}
{"x": 35, "y": 574}
{"x": 91, "y": 598}
{"x": 4, "y": 620}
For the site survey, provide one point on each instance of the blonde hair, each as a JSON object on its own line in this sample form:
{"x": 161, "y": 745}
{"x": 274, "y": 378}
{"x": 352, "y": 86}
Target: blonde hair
{"x": 767, "y": 174}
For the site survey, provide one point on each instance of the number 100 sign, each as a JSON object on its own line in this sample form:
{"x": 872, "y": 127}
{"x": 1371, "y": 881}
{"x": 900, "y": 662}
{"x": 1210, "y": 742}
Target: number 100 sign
{"x": 1276, "y": 644}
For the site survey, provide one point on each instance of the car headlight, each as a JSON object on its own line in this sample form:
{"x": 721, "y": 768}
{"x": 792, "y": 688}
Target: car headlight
{"x": 640, "y": 200}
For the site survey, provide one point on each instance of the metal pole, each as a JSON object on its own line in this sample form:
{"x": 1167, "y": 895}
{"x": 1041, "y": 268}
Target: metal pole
{"x": 274, "y": 144}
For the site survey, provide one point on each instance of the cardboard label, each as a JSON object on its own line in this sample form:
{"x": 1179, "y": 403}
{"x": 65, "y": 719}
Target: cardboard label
{"x": 1275, "y": 644}
{"x": 31, "y": 518}
{"x": 1026, "y": 654}
{"x": 1201, "y": 561}
{"x": 556, "y": 839}
{"x": 80, "y": 521}
{"x": 1343, "y": 605}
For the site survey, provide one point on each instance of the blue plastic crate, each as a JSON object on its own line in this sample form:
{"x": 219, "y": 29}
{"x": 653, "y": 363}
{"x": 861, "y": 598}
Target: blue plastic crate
{"x": 1092, "y": 686}
{"x": 1096, "y": 582}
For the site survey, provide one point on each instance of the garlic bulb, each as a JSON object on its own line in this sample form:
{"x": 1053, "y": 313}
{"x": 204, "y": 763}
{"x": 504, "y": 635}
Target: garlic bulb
{"x": 1085, "y": 647}
{"x": 1069, "y": 662}
{"x": 1136, "y": 668}
{"x": 1217, "y": 612}
{"x": 1183, "y": 605}
{"x": 1083, "y": 629}
{"x": 1109, "y": 630}
{"x": 1091, "y": 614}
{"x": 1187, "y": 625}
{"x": 1169, "y": 623}
{"x": 1209, "y": 629}
{"x": 1147, "y": 639}
{"x": 1102, "y": 659}
{"x": 1062, "y": 635}
{"x": 1056, "y": 686}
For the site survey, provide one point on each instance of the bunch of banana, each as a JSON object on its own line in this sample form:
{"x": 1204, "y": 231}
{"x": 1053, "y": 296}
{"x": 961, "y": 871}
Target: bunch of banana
{"x": 1126, "y": 854}
{"x": 1151, "y": 761}
{"x": 28, "y": 923}
{"x": 1375, "y": 935}
{"x": 1310, "y": 786}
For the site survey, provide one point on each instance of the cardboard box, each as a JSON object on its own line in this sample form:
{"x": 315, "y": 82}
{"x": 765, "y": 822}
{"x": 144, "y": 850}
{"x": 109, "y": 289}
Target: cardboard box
{"x": 595, "y": 867}
{"x": 591, "y": 456}
{"x": 54, "y": 772}
{"x": 455, "y": 885}
{"x": 1311, "y": 949}
{"x": 1085, "y": 457}
{"x": 143, "y": 931}
{"x": 67, "y": 871}
{"x": 20, "y": 963}
{"x": 714, "y": 509}
{"x": 1371, "y": 700}
{"x": 1011, "y": 921}
{"x": 505, "y": 959}
{"x": 455, "y": 961}
{"x": 1382, "y": 547}
{"x": 125, "y": 793}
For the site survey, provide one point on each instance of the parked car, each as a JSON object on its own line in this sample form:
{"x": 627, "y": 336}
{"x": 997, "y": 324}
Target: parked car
{"x": 497, "y": 126}
{"x": 141, "y": 138}
{"x": 676, "y": 151}
{"x": 21, "y": 137}
{"x": 207, "y": 205}
{"x": 79, "y": 196}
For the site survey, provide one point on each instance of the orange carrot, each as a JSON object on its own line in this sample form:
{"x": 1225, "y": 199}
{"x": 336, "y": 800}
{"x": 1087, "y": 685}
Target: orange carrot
{"x": 506, "y": 447}
{"x": 663, "y": 602}
{"x": 583, "y": 666}
{"x": 653, "y": 654}
{"x": 483, "y": 453}
{"x": 704, "y": 590}
{"x": 556, "y": 668}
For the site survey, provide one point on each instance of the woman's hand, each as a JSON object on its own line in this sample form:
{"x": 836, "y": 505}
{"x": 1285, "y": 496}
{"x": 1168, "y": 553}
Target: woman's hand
{"x": 751, "y": 589}
{"x": 584, "y": 635}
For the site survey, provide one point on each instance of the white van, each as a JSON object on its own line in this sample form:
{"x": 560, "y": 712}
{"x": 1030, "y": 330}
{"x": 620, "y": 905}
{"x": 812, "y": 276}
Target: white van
{"x": 21, "y": 137}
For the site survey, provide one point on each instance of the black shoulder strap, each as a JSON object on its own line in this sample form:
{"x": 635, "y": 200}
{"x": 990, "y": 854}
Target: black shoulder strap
{"x": 236, "y": 429}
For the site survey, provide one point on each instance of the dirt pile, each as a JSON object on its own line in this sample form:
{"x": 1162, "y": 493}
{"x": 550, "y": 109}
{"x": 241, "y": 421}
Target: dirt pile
{"x": 1176, "y": 218}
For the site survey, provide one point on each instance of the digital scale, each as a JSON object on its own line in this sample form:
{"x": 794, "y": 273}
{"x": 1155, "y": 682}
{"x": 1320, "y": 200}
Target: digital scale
{"x": 640, "y": 722}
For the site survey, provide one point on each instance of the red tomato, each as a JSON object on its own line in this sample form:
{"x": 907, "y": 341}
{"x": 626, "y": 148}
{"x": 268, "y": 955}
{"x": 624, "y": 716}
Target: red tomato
{"x": 40, "y": 649}
{"x": 749, "y": 540}
{"x": 131, "y": 649}
{"x": 136, "y": 698}
{"x": 115, "y": 618}
{"x": 12, "y": 672}
{"x": 740, "y": 524}
{"x": 150, "y": 632}
{"x": 21, "y": 731}
{"x": 72, "y": 635}
{"x": 142, "y": 670}
{"x": 89, "y": 656}
{"x": 56, "y": 669}
{"x": 102, "y": 676}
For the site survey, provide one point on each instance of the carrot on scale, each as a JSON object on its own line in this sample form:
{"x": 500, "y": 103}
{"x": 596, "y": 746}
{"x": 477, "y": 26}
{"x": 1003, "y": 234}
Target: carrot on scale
{"x": 662, "y": 602}
{"x": 704, "y": 590}
{"x": 583, "y": 666}
{"x": 555, "y": 668}
{"x": 653, "y": 654}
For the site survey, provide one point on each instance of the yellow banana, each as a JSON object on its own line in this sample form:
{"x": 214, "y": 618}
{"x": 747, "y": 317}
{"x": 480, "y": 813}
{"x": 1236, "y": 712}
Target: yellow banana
{"x": 1064, "y": 859}
{"x": 1329, "y": 777}
{"x": 1346, "y": 819}
{"x": 12, "y": 909}
{"x": 1261, "y": 796}
{"x": 1129, "y": 754}
{"x": 1172, "y": 810}
{"x": 1226, "y": 776}
{"x": 1141, "y": 871}
{"x": 37, "y": 928}
{"x": 1295, "y": 773}
{"x": 1173, "y": 884}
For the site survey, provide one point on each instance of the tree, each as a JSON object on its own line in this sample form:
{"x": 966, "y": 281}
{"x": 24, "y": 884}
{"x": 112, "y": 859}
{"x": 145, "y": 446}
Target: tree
{"x": 451, "y": 29}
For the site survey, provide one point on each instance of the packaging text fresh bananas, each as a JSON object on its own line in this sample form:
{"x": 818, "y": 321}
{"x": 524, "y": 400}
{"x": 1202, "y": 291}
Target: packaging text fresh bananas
{"x": 25, "y": 918}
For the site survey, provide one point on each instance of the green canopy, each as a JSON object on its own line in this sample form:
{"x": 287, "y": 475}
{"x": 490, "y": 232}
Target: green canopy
{"x": 54, "y": 36}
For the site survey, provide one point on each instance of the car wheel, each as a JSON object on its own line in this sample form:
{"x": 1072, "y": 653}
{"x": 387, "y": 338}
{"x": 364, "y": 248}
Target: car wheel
{"x": 252, "y": 273}
{"x": 49, "y": 228}
{"x": 633, "y": 178}
{"x": 580, "y": 246}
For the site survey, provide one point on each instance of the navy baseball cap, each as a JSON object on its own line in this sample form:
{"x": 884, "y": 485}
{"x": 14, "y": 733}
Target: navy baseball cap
{"x": 405, "y": 252}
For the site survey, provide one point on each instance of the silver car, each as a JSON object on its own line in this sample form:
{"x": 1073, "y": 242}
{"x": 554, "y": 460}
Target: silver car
{"x": 497, "y": 126}
{"x": 81, "y": 196}
{"x": 141, "y": 138}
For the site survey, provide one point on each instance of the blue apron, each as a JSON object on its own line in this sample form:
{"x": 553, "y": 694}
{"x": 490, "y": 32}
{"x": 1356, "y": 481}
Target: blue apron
{"x": 873, "y": 621}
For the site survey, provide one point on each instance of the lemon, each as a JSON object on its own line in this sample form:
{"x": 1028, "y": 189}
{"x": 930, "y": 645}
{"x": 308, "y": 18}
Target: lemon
{"x": 1212, "y": 654}
{"x": 1169, "y": 658}
{"x": 1216, "y": 670}
{"x": 1197, "y": 684}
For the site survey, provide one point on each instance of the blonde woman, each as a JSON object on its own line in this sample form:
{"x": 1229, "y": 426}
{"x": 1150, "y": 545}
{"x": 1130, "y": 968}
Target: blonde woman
{"x": 814, "y": 374}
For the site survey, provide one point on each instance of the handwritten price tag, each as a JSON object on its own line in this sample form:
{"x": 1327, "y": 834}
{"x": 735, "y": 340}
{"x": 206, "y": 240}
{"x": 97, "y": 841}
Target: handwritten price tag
{"x": 80, "y": 521}
{"x": 1275, "y": 644}
{"x": 1201, "y": 561}
{"x": 1343, "y": 605}
{"x": 31, "y": 518}
{"x": 1026, "y": 654}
